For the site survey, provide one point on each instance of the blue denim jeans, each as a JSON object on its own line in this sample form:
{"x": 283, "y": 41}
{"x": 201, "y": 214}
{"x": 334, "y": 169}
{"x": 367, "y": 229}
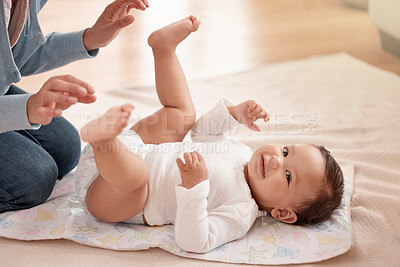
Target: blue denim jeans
{"x": 32, "y": 160}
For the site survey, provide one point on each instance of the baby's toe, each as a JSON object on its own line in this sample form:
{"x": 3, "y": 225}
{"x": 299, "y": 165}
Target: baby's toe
{"x": 196, "y": 25}
{"x": 121, "y": 125}
{"x": 127, "y": 107}
{"x": 125, "y": 114}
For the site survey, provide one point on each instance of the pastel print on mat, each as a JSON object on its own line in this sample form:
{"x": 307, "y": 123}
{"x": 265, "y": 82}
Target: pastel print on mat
{"x": 270, "y": 242}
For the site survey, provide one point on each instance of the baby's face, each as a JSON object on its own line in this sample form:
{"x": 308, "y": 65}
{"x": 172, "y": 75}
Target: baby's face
{"x": 283, "y": 176}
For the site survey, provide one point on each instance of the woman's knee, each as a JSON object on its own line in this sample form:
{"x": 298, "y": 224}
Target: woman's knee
{"x": 42, "y": 184}
{"x": 69, "y": 152}
{"x": 30, "y": 189}
{"x": 72, "y": 152}
{"x": 45, "y": 178}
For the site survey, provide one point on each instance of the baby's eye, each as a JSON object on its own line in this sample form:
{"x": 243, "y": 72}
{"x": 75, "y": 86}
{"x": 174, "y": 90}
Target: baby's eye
{"x": 288, "y": 176}
{"x": 285, "y": 151}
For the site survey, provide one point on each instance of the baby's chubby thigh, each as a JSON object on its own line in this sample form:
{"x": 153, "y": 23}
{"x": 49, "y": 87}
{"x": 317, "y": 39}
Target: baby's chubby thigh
{"x": 101, "y": 197}
{"x": 111, "y": 204}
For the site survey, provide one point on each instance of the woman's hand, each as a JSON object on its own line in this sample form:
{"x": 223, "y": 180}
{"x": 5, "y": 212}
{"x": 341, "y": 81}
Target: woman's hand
{"x": 113, "y": 19}
{"x": 194, "y": 170}
{"x": 56, "y": 95}
{"x": 247, "y": 113}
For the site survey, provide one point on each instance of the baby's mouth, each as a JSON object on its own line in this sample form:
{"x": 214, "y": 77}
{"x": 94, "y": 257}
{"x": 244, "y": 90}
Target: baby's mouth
{"x": 262, "y": 166}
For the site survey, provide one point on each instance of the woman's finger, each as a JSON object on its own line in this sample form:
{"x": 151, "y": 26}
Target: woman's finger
{"x": 57, "y": 112}
{"x": 67, "y": 88}
{"x": 122, "y": 22}
{"x": 46, "y": 114}
{"x": 138, "y": 4}
{"x": 146, "y": 3}
{"x": 60, "y": 99}
{"x": 115, "y": 7}
{"x": 74, "y": 80}
{"x": 87, "y": 99}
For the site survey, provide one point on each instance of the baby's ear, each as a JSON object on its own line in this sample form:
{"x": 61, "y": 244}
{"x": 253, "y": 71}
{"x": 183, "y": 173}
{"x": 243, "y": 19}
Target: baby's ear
{"x": 286, "y": 215}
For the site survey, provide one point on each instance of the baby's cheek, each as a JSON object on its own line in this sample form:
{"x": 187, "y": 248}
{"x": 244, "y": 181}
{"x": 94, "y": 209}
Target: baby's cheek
{"x": 278, "y": 188}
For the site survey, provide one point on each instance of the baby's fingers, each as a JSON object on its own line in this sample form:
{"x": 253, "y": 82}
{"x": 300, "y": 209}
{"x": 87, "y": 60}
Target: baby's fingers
{"x": 199, "y": 157}
{"x": 195, "y": 159}
{"x": 254, "y": 127}
{"x": 263, "y": 115}
{"x": 255, "y": 111}
{"x": 188, "y": 158}
{"x": 251, "y": 105}
{"x": 180, "y": 163}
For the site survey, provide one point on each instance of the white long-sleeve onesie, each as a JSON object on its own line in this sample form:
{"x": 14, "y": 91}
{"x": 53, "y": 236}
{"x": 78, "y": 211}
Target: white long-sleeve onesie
{"x": 215, "y": 211}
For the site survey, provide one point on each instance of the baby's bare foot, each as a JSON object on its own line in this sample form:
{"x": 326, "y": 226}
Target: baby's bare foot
{"x": 107, "y": 126}
{"x": 171, "y": 35}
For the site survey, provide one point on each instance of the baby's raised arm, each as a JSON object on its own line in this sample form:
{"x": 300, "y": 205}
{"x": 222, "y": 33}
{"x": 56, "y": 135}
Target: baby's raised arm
{"x": 247, "y": 113}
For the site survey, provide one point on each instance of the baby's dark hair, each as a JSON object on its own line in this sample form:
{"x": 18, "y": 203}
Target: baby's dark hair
{"x": 328, "y": 198}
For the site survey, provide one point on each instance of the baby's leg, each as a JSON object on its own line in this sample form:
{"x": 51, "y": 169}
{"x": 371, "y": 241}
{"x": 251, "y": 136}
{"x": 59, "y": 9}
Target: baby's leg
{"x": 176, "y": 118}
{"x": 120, "y": 190}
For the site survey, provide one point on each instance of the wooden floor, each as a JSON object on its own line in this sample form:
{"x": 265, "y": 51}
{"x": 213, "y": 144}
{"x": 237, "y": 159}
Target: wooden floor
{"x": 235, "y": 35}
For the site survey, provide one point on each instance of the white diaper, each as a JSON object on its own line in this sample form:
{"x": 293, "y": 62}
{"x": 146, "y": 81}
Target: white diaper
{"x": 87, "y": 172}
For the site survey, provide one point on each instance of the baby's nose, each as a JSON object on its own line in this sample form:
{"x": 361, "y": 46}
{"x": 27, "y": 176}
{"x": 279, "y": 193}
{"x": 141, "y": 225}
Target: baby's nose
{"x": 274, "y": 163}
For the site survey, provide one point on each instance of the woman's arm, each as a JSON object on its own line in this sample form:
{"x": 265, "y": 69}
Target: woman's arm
{"x": 63, "y": 48}
{"x": 59, "y": 50}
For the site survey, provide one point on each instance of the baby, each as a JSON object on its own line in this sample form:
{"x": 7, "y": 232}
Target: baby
{"x": 215, "y": 194}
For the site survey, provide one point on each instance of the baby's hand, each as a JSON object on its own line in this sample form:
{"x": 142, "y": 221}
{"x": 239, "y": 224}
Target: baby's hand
{"x": 194, "y": 170}
{"x": 247, "y": 113}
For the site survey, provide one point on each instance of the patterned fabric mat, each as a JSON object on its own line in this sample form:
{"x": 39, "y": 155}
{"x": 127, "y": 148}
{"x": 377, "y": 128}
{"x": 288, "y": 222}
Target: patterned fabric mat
{"x": 268, "y": 242}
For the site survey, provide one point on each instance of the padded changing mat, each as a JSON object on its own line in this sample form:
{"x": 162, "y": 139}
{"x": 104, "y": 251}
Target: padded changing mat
{"x": 268, "y": 241}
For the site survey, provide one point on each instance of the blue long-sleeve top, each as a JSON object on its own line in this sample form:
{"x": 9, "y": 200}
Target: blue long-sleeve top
{"x": 33, "y": 53}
